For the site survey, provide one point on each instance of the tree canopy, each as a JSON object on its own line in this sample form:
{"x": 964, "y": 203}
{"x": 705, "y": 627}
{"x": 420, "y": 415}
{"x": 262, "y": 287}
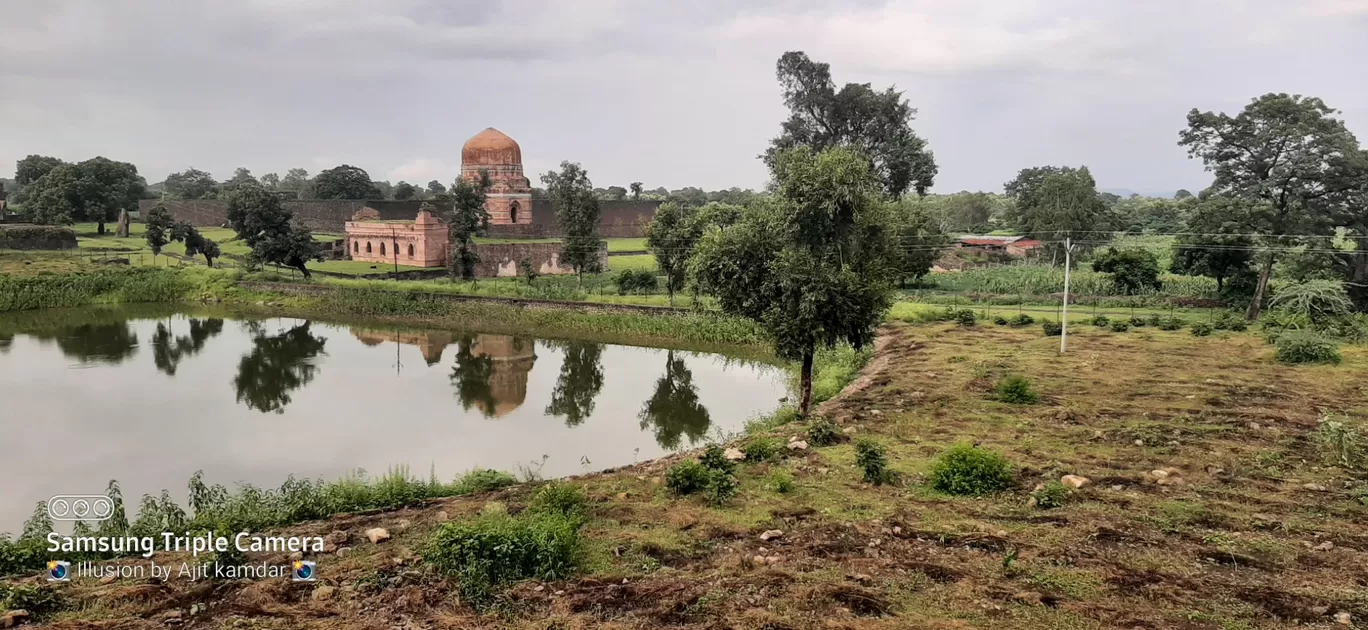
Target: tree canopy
{"x": 268, "y": 228}
{"x": 577, "y": 212}
{"x": 344, "y": 182}
{"x": 1053, "y": 202}
{"x": 94, "y": 190}
{"x": 191, "y": 183}
{"x": 466, "y": 220}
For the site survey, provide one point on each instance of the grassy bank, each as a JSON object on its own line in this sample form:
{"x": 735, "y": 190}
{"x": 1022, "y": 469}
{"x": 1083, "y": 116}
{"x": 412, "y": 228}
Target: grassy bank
{"x": 110, "y": 286}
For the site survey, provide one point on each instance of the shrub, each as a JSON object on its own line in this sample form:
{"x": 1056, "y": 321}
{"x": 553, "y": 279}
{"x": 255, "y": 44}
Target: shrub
{"x": 1051, "y": 496}
{"x": 1100, "y": 321}
{"x": 715, "y": 458}
{"x": 484, "y": 481}
{"x": 1000, "y": 320}
{"x": 761, "y": 449}
{"x": 558, "y": 498}
{"x": 1016, "y": 389}
{"x": 823, "y": 432}
{"x": 1137, "y": 322}
{"x": 1153, "y": 320}
{"x": 1237, "y": 325}
{"x": 495, "y": 549}
{"x": 721, "y": 488}
{"x": 1022, "y": 319}
{"x": 1120, "y": 326}
{"x": 1304, "y": 347}
{"x": 37, "y": 600}
{"x": 1052, "y": 329}
{"x": 1341, "y": 443}
{"x": 967, "y": 471}
{"x": 635, "y": 281}
{"x": 966, "y": 317}
{"x": 1172, "y": 323}
{"x": 1202, "y": 329}
{"x": 688, "y": 477}
{"x": 779, "y": 481}
{"x": 870, "y": 457}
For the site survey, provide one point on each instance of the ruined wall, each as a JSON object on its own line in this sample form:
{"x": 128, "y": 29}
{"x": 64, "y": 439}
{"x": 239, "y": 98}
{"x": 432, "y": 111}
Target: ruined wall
{"x": 619, "y": 219}
{"x": 501, "y": 261}
{"x": 31, "y": 237}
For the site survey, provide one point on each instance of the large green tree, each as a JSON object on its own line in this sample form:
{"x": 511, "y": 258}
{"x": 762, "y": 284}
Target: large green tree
{"x": 579, "y": 383}
{"x": 876, "y": 123}
{"x": 191, "y": 183}
{"x": 159, "y": 224}
{"x": 242, "y": 176}
{"x": 671, "y": 236}
{"x": 673, "y": 411}
{"x": 1054, "y": 203}
{"x": 33, "y": 168}
{"x": 264, "y": 225}
{"x": 1217, "y": 242}
{"x": 577, "y": 212}
{"x": 1290, "y": 154}
{"x": 916, "y": 241}
{"x": 277, "y": 365}
{"x": 466, "y": 220}
{"x": 1133, "y": 271}
{"x": 344, "y": 182}
{"x": 404, "y": 191}
{"x": 813, "y": 265}
{"x": 95, "y": 190}
{"x": 296, "y": 180}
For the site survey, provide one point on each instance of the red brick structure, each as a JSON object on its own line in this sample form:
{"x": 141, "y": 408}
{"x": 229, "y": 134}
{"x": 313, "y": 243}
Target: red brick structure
{"x": 418, "y": 243}
{"x": 510, "y": 193}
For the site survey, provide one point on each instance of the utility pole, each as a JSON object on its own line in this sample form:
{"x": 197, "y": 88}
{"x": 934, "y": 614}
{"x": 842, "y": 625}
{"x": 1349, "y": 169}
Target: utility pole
{"x": 394, "y": 240}
{"x": 1064, "y": 318}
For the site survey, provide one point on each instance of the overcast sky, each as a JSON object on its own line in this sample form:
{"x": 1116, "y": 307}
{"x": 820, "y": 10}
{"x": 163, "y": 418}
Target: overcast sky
{"x": 673, "y": 93}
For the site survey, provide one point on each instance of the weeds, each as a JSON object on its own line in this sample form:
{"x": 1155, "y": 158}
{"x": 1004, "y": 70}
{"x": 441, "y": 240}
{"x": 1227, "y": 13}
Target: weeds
{"x": 496, "y": 549}
{"x": 871, "y": 457}
{"x": 1202, "y": 329}
{"x": 779, "y": 481}
{"x": 823, "y": 432}
{"x": 1052, "y": 329}
{"x": 761, "y": 449}
{"x": 558, "y": 498}
{"x": 1101, "y": 321}
{"x": 1050, "y": 495}
{"x": 1119, "y": 326}
{"x": 687, "y": 477}
{"x": 1341, "y": 444}
{"x": 968, "y": 471}
{"x": 1305, "y": 347}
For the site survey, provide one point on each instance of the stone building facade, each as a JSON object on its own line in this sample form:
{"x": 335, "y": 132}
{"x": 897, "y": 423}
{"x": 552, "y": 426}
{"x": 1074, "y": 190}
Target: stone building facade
{"x": 418, "y": 243}
{"x": 510, "y": 193}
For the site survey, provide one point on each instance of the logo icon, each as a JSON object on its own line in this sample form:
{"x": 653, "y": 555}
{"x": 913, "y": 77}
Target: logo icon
{"x": 59, "y": 571}
{"x": 80, "y": 507}
{"x": 304, "y": 570}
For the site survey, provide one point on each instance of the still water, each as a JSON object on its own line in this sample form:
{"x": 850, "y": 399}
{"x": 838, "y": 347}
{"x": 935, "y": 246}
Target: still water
{"x": 89, "y": 395}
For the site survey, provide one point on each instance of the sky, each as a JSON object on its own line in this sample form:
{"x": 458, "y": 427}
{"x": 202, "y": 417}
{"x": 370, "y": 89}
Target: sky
{"x": 664, "y": 92}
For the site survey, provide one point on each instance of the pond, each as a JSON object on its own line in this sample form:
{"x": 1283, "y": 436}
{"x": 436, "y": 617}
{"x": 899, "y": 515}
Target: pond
{"x": 148, "y": 396}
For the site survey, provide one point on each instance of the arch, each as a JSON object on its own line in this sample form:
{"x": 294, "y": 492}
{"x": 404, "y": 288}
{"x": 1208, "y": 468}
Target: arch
{"x": 356, "y": 247}
{"x": 410, "y": 250}
{"x": 513, "y": 212}
{"x": 368, "y": 247}
{"x": 382, "y": 248}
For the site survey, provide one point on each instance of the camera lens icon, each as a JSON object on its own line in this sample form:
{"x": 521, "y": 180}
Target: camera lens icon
{"x": 80, "y": 507}
{"x": 59, "y": 571}
{"x": 304, "y": 570}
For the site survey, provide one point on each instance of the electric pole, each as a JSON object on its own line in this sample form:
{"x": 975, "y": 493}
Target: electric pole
{"x": 1064, "y": 318}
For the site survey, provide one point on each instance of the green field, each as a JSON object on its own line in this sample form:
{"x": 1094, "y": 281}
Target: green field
{"x": 637, "y": 261}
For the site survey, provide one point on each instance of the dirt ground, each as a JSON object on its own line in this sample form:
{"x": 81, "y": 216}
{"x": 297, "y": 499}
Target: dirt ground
{"x": 1246, "y": 526}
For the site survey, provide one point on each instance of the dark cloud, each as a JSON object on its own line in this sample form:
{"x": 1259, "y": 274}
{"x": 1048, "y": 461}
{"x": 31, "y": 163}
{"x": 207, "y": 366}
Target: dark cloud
{"x": 668, "y": 93}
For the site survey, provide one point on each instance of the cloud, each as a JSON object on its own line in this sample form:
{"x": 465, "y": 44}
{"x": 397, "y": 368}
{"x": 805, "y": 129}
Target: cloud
{"x": 420, "y": 171}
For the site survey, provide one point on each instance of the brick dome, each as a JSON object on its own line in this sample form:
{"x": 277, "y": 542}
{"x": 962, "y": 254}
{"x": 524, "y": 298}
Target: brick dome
{"x": 490, "y": 148}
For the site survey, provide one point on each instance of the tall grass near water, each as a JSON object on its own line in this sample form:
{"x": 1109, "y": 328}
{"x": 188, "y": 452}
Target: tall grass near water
{"x": 19, "y": 293}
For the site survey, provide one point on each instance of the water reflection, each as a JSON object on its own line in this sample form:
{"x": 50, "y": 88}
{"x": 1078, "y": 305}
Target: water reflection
{"x": 430, "y": 343}
{"x": 278, "y": 364}
{"x": 581, "y": 379}
{"x": 167, "y": 352}
{"x": 674, "y": 410}
{"x": 6, "y": 340}
{"x": 110, "y": 343}
{"x": 491, "y": 372}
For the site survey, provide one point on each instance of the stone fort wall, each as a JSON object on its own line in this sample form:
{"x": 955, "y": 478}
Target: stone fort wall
{"x": 618, "y": 219}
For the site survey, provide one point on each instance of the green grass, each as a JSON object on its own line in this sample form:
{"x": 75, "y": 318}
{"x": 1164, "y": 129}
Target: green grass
{"x": 625, "y": 245}
{"x": 638, "y": 261}
{"x": 358, "y": 267}
{"x": 109, "y": 286}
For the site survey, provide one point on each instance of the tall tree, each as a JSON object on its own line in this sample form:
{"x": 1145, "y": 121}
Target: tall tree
{"x": 270, "y": 181}
{"x": 242, "y": 176}
{"x": 195, "y": 243}
{"x": 671, "y": 236}
{"x": 296, "y": 180}
{"x": 877, "y": 123}
{"x": 404, "y": 191}
{"x": 94, "y": 190}
{"x": 466, "y": 220}
{"x": 34, "y": 167}
{"x": 813, "y": 266}
{"x": 577, "y": 211}
{"x": 344, "y": 182}
{"x": 277, "y": 365}
{"x": 1182, "y": 194}
{"x": 1053, "y": 203}
{"x": 264, "y": 225}
{"x": 636, "y": 190}
{"x": 1286, "y": 151}
{"x": 916, "y": 241}
{"x": 1217, "y": 244}
{"x": 616, "y": 193}
{"x": 191, "y": 183}
{"x": 158, "y": 228}
{"x": 579, "y": 383}
{"x": 1133, "y": 271}
{"x": 435, "y": 188}
{"x": 674, "y": 411}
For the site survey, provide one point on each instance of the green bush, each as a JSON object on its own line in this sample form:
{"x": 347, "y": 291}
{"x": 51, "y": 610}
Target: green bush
{"x": 1137, "y": 322}
{"x": 1202, "y": 329}
{"x": 722, "y": 486}
{"x": 1172, "y": 323}
{"x": 870, "y": 457}
{"x": 1052, "y": 329}
{"x": 1016, "y": 389}
{"x": 558, "y": 498}
{"x": 1154, "y": 320}
{"x": 484, "y": 481}
{"x": 38, "y": 600}
{"x": 967, "y": 471}
{"x": 688, "y": 477}
{"x": 495, "y": 549}
{"x": 1022, "y": 319}
{"x": 1305, "y": 347}
{"x": 1120, "y": 326}
{"x": 1341, "y": 444}
{"x": 715, "y": 458}
{"x": 1000, "y": 320}
{"x": 761, "y": 449}
{"x": 779, "y": 481}
{"x": 636, "y": 281}
{"x": 1238, "y": 325}
{"x": 1100, "y": 321}
{"x": 823, "y": 432}
{"x": 1051, "y": 496}
{"x": 966, "y": 317}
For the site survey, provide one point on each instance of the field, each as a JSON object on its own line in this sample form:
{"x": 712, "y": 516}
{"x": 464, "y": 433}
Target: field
{"x": 1212, "y": 501}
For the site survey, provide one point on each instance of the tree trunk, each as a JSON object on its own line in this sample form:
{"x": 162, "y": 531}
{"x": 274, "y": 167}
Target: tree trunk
{"x": 1257, "y": 304}
{"x": 670, "y": 288}
{"x": 805, "y": 383}
{"x": 303, "y": 271}
{"x": 100, "y": 228}
{"x": 209, "y": 261}
{"x": 579, "y": 274}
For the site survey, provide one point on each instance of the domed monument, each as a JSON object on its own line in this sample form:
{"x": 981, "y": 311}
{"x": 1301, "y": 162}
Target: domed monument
{"x": 510, "y": 192}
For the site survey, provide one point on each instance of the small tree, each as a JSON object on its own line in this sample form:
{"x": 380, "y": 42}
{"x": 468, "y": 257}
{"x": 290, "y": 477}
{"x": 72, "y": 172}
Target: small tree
{"x": 404, "y": 191}
{"x": 268, "y": 228}
{"x": 527, "y": 270}
{"x": 636, "y": 190}
{"x": 195, "y": 243}
{"x": 159, "y": 226}
{"x": 1132, "y": 270}
{"x": 577, "y": 211}
{"x": 466, "y": 220}
{"x": 918, "y": 241}
{"x": 812, "y": 266}
{"x": 671, "y": 237}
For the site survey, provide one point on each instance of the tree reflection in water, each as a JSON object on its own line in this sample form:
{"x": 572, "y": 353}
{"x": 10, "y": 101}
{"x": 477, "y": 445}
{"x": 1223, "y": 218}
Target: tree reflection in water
{"x": 470, "y": 376}
{"x": 491, "y": 372}
{"x": 278, "y": 364}
{"x": 581, "y": 378}
{"x": 673, "y": 411}
{"x": 110, "y": 343}
{"x": 168, "y": 352}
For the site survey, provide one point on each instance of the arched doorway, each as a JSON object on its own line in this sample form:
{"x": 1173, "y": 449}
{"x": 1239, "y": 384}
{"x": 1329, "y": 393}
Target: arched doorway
{"x": 410, "y": 250}
{"x": 356, "y": 247}
{"x": 368, "y": 247}
{"x": 513, "y": 212}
